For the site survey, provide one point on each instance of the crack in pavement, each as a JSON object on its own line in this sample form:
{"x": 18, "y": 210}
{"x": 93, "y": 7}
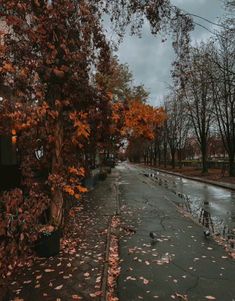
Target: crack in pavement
{"x": 194, "y": 285}
{"x": 162, "y": 219}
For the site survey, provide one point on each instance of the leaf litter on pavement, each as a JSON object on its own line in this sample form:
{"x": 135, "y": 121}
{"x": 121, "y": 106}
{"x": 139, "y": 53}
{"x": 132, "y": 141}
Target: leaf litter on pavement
{"x": 80, "y": 260}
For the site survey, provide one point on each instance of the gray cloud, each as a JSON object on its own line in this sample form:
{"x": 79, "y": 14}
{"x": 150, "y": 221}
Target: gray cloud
{"x": 150, "y": 59}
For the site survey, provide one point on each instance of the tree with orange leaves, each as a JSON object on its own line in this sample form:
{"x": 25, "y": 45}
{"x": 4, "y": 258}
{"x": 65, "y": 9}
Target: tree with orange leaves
{"x": 46, "y": 60}
{"x": 141, "y": 120}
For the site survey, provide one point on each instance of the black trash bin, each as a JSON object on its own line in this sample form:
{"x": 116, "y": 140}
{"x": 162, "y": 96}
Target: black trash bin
{"x": 48, "y": 244}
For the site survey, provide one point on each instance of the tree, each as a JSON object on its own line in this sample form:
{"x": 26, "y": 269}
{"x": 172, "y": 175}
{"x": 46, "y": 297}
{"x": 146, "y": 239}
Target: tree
{"x": 222, "y": 75}
{"x": 177, "y": 125}
{"x": 46, "y": 61}
{"x": 47, "y": 58}
{"x": 198, "y": 98}
{"x": 141, "y": 121}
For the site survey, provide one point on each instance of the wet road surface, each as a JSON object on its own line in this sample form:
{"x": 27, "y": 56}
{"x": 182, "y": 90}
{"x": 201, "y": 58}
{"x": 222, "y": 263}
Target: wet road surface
{"x": 219, "y": 202}
{"x": 180, "y": 263}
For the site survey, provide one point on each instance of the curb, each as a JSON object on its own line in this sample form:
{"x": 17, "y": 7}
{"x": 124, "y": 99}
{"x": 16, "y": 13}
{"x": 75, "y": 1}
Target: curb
{"x": 105, "y": 273}
{"x": 106, "y": 264}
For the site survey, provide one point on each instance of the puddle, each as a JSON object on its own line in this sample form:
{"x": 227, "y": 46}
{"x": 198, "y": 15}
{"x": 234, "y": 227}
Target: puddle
{"x": 211, "y": 206}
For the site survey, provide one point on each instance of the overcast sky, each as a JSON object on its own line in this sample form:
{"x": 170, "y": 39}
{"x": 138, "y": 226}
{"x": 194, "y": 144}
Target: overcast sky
{"x": 150, "y": 60}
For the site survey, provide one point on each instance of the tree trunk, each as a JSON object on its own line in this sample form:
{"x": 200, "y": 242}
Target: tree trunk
{"x": 165, "y": 154}
{"x": 231, "y": 165}
{"x": 101, "y": 162}
{"x": 57, "y": 165}
{"x": 180, "y": 158}
{"x": 159, "y": 156}
{"x": 145, "y": 158}
{"x": 204, "y": 157}
{"x": 155, "y": 155}
{"x": 151, "y": 155}
{"x": 173, "y": 159}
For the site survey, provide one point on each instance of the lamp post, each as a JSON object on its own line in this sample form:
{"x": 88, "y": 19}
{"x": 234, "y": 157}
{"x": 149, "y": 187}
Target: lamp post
{"x": 39, "y": 152}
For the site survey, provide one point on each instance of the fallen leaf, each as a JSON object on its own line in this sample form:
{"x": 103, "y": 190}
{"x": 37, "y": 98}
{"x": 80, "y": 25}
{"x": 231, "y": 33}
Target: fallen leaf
{"x": 59, "y": 287}
{"x": 182, "y": 297}
{"x": 147, "y": 262}
{"x": 49, "y": 270}
{"x": 130, "y": 278}
{"x": 146, "y": 281}
{"x": 98, "y": 293}
{"x": 76, "y": 297}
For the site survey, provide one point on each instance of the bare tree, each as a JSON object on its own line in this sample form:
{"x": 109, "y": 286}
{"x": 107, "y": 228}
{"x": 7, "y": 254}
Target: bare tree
{"x": 177, "y": 125}
{"x": 222, "y": 74}
{"x": 198, "y": 98}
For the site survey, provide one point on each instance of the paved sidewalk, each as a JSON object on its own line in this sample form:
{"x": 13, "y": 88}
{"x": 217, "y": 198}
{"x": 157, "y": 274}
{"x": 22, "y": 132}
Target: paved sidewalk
{"x": 77, "y": 273}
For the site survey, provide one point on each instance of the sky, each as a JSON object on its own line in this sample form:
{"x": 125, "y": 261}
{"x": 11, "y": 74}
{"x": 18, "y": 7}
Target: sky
{"x": 150, "y": 60}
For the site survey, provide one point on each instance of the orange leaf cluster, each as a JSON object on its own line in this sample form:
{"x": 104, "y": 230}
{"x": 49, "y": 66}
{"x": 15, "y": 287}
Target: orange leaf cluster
{"x": 81, "y": 126}
{"x": 74, "y": 188}
{"x": 141, "y": 120}
{"x": 76, "y": 171}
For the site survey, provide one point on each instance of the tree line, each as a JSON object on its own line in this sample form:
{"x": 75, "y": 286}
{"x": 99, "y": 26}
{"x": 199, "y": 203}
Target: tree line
{"x": 201, "y": 108}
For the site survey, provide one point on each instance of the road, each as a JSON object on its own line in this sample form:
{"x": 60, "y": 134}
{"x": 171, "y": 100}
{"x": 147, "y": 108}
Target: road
{"x": 220, "y": 201}
{"x": 180, "y": 260}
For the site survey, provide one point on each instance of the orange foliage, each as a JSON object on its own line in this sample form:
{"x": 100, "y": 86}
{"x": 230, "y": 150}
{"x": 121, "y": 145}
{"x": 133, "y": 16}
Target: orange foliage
{"x": 81, "y": 126}
{"x": 73, "y": 188}
{"x": 141, "y": 120}
{"x": 116, "y": 109}
{"x": 77, "y": 172}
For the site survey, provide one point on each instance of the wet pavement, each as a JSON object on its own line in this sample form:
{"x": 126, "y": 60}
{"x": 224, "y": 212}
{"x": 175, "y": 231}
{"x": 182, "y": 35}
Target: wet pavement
{"x": 180, "y": 263}
{"x": 77, "y": 273}
{"x": 197, "y": 197}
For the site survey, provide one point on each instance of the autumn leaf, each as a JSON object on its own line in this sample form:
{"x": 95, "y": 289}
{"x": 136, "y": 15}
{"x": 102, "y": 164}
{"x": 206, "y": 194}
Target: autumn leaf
{"x": 59, "y": 73}
{"x": 7, "y": 67}
{"x": 69, "y": 190}
{"x": 76, "y": 297}
{"x": 145, "y": 281}
{"x": 86, "y": 274}
{"x": 49, "y": 270}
